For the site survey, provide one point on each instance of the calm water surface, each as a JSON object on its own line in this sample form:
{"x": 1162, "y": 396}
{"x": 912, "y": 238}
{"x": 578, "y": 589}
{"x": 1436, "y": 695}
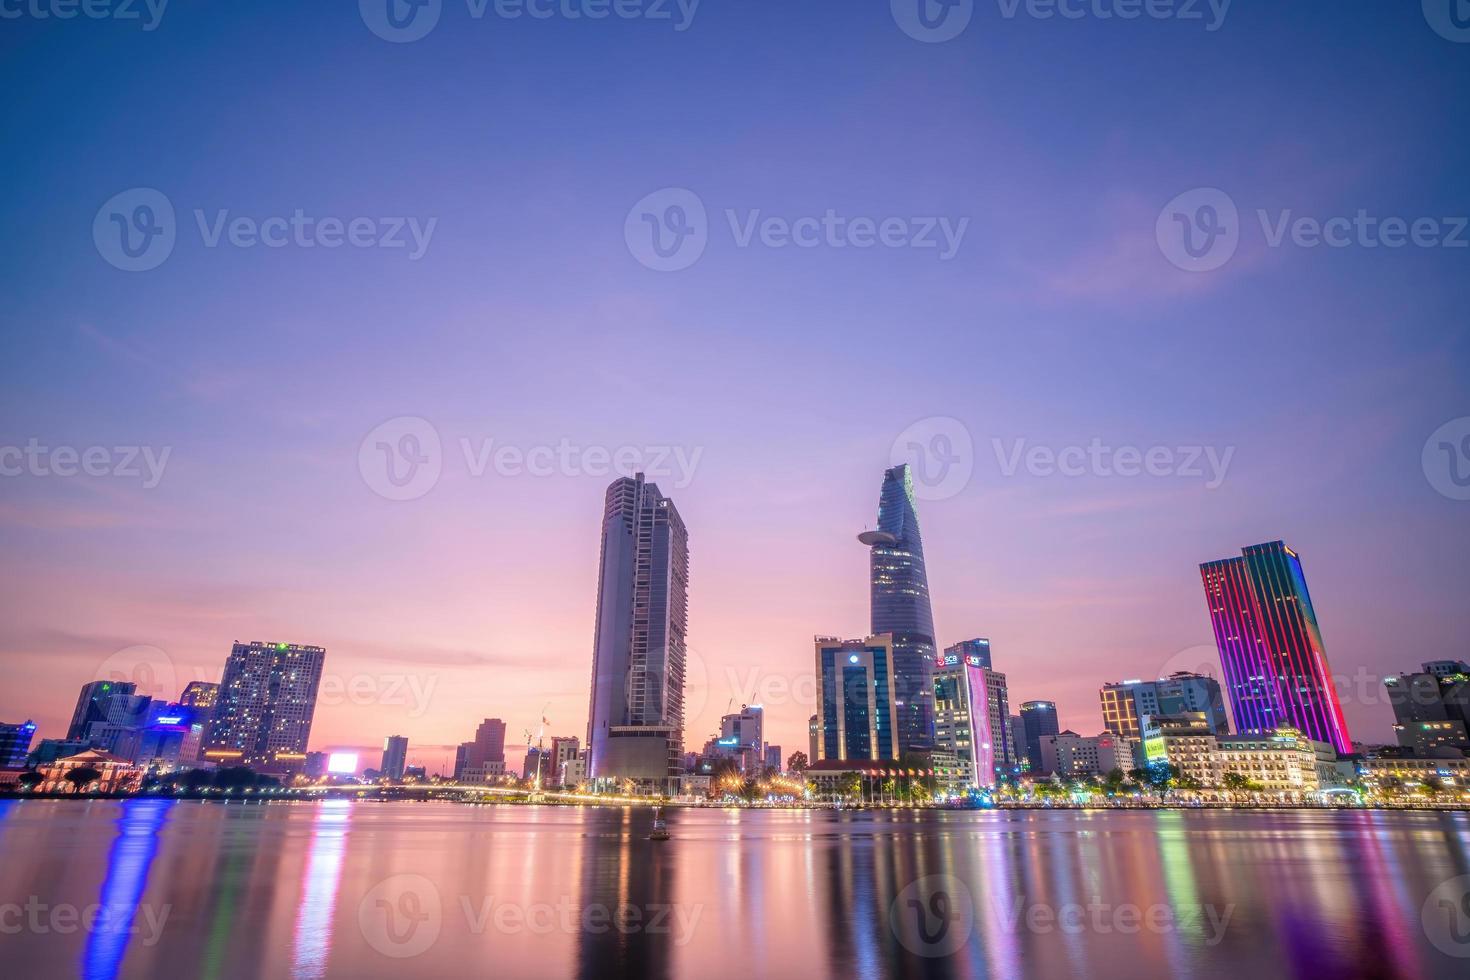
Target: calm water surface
{"x": 445, "y": 890}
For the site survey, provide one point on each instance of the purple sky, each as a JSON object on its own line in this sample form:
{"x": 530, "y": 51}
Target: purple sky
{"x": 529, "y": 319}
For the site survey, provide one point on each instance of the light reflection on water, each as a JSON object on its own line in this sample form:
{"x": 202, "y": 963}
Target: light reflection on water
{"x": 362, "y": 889}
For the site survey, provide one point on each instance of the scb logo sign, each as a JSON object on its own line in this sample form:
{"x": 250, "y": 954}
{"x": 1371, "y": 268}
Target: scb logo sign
{"x": 934, "y": 916}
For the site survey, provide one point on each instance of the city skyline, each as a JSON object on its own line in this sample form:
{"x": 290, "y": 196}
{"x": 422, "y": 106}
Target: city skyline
{"x": 628, "y": 491}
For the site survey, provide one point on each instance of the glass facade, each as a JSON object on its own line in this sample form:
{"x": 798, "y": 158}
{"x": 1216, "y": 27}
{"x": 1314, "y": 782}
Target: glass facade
{"x": 899, "y": 600}
{"x": 858, "y": 717}
{"x": 639, "y": 650}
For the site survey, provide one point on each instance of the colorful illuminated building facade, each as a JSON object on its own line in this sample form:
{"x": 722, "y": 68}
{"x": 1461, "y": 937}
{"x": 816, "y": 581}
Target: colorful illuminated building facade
{"x": 1270, "y": 643}
{"x": 962, "y": 718}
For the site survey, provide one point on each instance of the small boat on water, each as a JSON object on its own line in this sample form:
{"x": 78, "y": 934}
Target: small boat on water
{"x": 660, "y": 827}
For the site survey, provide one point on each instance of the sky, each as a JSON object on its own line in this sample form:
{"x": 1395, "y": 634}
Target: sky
{"x": 1042, "y": 249}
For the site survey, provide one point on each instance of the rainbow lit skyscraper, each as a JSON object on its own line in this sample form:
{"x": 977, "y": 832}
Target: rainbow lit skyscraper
{"x": 1271, "y": 646}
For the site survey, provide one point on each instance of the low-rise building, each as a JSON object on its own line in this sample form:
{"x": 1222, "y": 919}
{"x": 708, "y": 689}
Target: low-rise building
{"x": 1185, "y": 742}
{"x": 1070, "y": 755}
{"x": 1283, "y": 761}
{"x": 114, "y": 775}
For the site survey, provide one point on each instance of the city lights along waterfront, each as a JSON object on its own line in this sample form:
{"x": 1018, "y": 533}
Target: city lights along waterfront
{"x": 924, "y": 824}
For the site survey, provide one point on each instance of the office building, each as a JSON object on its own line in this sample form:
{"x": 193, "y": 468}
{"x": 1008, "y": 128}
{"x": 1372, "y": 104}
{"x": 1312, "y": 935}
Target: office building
{"x": 483, "y": 757}
{"x": 1070, "y": 756}
{"x": 635, "y": 719}
{"x": 1127, "y": 705}
{"x": 105, "y": 708}
{"x": 773, "y": 759}
{"x": 1184, "y": 741}
{"x": 813, "y": 730}
{"x": 1038, "y": 720}
{"x": 395, "y": 757}
{"x": 977, "y": 651}
{"x": 742, "y": 736}
{"x": 1431, "y": 709}
{"x": 1020, "y": 761}
{"x": 267, "y": 701}
{"x": 1271, "y": 648}
{"x": 859, "y": 716}
{"x": 962, "y": 718}
{"x": 15, "y": 744}
{"x": 564, "y": 749}
{"x": 899, "y": 606}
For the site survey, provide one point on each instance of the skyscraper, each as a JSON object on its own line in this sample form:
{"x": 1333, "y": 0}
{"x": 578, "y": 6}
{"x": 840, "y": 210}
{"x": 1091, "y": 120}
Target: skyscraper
{"x": 1038, "y": 720}
{"x": 485, "y": 756}
{"x": 1127, "y": 705}
{"x": 266, "y": 704}
{"x": 105, "y": 702}
{"x": 1271, "y": 649}
{"x": 395, "y": 757}
{"x": 977, "y": 652}
{"x": 1432, "y": 709}
{"x": 855, "y": 699}
{"x": 635, "y": 719}
{"x": 899, "y": 600}
{"x": 962, "y": 721}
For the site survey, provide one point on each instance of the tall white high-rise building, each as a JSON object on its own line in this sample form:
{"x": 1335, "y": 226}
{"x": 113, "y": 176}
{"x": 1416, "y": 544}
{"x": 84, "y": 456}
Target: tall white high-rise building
{"x": 635, "y": 721}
